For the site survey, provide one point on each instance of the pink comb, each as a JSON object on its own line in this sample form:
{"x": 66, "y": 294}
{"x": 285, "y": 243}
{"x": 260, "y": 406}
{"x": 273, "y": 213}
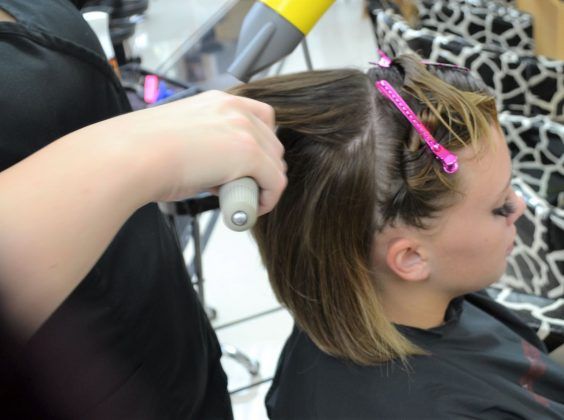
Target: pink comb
{"x": 448, "y": 159}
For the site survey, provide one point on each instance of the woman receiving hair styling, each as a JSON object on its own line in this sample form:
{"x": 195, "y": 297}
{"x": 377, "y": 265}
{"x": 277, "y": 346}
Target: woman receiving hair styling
{"x": 398, "y": 210}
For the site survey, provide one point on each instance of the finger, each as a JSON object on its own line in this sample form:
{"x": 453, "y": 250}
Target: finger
{"x": 269, "y": 198}
{"x": 262, "y": 111}
{"x": 272, "y": 181}
{"x": 260, "y": 115}
{"x": 268, "y": 141}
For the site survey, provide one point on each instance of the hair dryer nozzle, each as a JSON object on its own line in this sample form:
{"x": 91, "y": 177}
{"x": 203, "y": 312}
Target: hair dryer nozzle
{"x": 265, "y": 38}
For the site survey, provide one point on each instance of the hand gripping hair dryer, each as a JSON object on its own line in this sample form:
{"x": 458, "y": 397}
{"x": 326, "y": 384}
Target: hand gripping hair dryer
{"x": 271, "y": 30}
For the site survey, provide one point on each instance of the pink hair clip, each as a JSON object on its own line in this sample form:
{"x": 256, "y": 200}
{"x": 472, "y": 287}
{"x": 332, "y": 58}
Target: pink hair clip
{"x": 383, "y": 61}
{"x": 448, "y": 159}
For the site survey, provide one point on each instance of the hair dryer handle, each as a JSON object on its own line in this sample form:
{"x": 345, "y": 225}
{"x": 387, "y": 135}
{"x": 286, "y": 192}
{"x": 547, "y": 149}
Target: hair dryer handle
{"x": 238, "y": 201}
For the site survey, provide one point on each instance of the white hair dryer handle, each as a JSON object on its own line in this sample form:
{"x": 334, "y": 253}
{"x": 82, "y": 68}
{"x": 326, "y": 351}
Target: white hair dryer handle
{"x": 238, "y": 201}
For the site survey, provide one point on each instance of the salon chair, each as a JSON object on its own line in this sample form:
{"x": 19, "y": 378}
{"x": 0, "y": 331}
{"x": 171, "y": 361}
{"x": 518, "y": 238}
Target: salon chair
{"x": 522, "y": 82}
{"x": 486, "y": 22}
{"x": 533, "y": 285}
{"x": 543, "y": 315}
{"x": 536, "y": 145}
{"x": 508, "y": 3}
{"x": 536, "y": 265}
{"x": 537, "y": 152}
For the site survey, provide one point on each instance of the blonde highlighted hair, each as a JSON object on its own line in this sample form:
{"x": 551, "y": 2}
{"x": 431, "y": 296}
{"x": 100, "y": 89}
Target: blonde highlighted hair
{"x": 355, "y": 165}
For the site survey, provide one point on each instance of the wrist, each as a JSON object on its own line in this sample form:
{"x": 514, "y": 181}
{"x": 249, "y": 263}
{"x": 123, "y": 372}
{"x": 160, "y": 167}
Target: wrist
{"x": 145, "y": 160}
{"x": 124, "y": 167}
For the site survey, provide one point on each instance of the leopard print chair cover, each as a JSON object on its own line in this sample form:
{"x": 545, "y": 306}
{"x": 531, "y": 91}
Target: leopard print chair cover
{"x": 533, "y": 285}
{"x": 522, "y": 82}
{"x": 485, "y": 22}
{"x": 506, "y": 3}
{"x": 537, "y": 152}
{"x": 536, "y": 265}
{"x": 545, "y": 316}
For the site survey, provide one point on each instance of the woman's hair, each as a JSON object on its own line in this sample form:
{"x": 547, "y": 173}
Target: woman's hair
{"x": 356, "y": 165}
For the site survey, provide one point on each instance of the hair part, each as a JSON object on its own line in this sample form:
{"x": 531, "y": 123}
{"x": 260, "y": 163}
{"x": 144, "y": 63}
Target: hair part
{"x": 355, "y": 166}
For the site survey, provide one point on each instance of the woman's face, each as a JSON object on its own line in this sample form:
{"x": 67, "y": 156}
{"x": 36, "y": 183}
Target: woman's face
{"x": 472, "y": 239}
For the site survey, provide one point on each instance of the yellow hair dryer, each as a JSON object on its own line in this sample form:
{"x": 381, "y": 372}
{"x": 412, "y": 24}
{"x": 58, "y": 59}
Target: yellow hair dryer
{"x": 271, "y": 30}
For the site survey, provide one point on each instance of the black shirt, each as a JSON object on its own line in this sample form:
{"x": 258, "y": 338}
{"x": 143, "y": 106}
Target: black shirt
{"x": 483, "y": 364}
{"x": 132, "y": 340}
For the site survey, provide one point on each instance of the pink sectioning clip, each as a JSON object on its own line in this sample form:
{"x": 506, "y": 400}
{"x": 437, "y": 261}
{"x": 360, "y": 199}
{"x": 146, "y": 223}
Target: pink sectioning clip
{"x": 448, "y": 159}
{"x": 384, "y": 60}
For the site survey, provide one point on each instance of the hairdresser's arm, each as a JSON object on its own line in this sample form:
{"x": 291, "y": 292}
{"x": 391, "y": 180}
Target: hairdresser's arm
{"x": 61, "y": 207}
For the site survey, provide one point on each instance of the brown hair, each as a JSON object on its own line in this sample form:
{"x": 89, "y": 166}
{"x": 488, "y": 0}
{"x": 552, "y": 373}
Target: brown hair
{"x": 355, "y": 165}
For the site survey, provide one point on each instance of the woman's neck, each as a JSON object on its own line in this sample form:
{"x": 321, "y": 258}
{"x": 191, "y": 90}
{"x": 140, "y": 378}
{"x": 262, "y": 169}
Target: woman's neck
{"x": 414, "y": 306}
{"x": 5, "y": 17}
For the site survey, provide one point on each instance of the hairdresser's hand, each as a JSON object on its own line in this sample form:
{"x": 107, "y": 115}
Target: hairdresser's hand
{"x": 203, "y": 142}
{"x": 89, "y": 182}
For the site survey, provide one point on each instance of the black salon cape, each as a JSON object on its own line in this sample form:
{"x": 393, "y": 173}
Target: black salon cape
{"x": 132, "y": 341}
{"x": 484, "y": 364}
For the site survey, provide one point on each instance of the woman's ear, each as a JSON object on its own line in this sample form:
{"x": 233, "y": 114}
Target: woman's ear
{"x": 407, "y": 259}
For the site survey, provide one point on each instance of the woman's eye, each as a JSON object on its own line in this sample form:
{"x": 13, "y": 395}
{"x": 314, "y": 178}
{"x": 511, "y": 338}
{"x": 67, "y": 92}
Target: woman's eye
{"x": 506, "y": 210}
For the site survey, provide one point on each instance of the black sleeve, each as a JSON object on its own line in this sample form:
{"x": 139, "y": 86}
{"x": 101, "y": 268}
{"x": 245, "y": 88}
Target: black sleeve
{"x": 50, "y": 85}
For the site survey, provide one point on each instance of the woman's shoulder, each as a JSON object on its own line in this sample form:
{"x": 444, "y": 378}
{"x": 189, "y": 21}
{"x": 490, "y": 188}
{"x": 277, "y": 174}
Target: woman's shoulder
{"x": 312, "y": 384}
